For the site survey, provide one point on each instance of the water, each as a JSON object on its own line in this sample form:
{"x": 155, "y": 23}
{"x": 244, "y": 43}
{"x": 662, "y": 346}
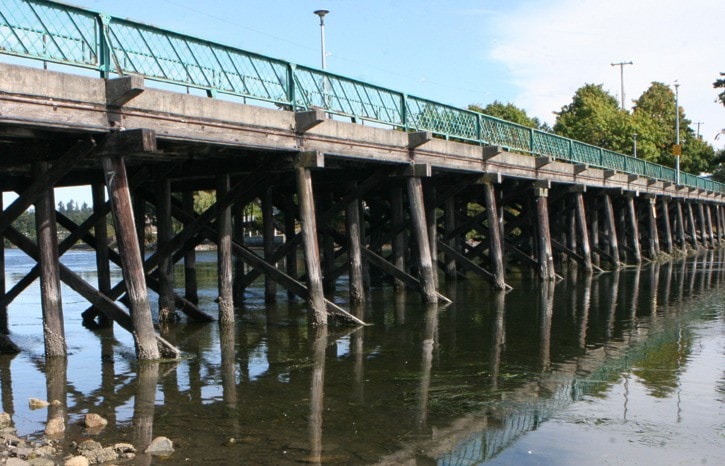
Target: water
{"x": 624, "y": 367}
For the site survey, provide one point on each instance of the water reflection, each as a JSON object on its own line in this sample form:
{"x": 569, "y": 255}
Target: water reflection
{"x": 461, "y": 384}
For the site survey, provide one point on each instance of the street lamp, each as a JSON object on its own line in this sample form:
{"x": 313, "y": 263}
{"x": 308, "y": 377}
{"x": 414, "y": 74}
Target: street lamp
{"x": 322, "y": 14}
{"x": 677, "y": 150}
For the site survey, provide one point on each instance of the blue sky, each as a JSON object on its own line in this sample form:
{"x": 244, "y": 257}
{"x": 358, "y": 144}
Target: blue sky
{"x": 533, "y": 53}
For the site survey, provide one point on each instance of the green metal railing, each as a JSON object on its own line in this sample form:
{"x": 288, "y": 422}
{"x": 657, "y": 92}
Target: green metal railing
{"x": 59, "y": 33}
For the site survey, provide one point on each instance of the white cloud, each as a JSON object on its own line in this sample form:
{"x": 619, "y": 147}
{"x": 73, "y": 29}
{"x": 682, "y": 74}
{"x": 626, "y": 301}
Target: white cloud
{"x": 552, "y": 48}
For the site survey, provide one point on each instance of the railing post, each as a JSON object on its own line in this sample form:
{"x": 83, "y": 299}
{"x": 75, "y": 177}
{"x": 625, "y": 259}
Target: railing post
{"x": 531, "y": 141}
{"x": 104, "y": 46}
{"x": 601, "y": 158}
{"x": 479, "y": 127}
{"x": 571, "y": 150}
{"x": 404, "y": 111}
{"x": 291, "y": 86}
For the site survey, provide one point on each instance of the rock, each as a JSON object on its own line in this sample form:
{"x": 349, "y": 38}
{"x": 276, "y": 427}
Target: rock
{"x": 76, "y": 461}
{"x": 35, "y": 403}
{"x": 124, "y": 448}
{"x": 89, "y": 445}
{"x": 103, "y": 455}
{"x": 94, "y": 421}
{"x": 23, "y": 452}
{"x": 5, "y": 420}
{"x": 16, "y": 462}
{"x": 161, "y": 446}
{"x": 55, "y": 427}
{"x": 41, "y": 462}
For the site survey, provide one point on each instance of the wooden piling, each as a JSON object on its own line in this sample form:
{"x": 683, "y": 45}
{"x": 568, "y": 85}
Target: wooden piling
{"x": 50, "y": 295}
{"x": 326, "y": 201}
{"x": 419, "y": 226}
{"x": 494, "y": 237}
{"x": 167, "y": 308}
{"x": 224, "y": 252}
{"x": 190, "y": 283}
{"x": 398, "y": 243}
{"x": 666, "y": 225}
{"x": 611, "y": 227}
{"x": 290, "y": 232}
{"x": 316, "y": 302}
{"x": 593, "y": 216}
{"x": 352, "y": 226}
{"x": 100, "y": 230}
{"x": 4, "y": 330}
{"x": 238, "y": 228}
{"x": 581, "y": 223}
{"x": 693, "y": 226}
{"x": 680, "y": 226}
{"x": 634, "y": 229}
{"x": 270, "y": 286}
{"x": 654, "y": 242}
{"x": 702, "y": 223}
{"x": 546, "y": 257}
{"x": 710, "y": 231}
{"x": 449, "y": 215}
{"x": 143, "y": 331}
{"x": 429, "y": 191}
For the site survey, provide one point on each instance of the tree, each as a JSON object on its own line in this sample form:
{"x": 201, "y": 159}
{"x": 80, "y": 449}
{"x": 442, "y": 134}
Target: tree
{"x": 594, "y": 117}
{"x": 510, "y": 112}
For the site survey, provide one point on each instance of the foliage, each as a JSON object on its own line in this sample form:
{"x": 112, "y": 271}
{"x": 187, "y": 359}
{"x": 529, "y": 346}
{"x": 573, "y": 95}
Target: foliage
{"x": 594, "y": 117}
{"x": 510, "y": 112}
{"x": 720, "y": 84}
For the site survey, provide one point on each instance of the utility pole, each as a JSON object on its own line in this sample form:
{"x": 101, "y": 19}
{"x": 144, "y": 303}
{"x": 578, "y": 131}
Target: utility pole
{"x": 698, "y": 128}
{"x": 621, "y": 77}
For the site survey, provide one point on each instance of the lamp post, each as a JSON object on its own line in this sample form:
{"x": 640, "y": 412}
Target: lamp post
{"x": 322, "y": 14}
{"x": 678, "y": 150}
{"x": 621, "y": 77}
{"x": 634, "y": 139}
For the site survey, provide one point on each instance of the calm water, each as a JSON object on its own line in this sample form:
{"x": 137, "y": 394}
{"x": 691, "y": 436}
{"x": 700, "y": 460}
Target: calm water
{"x": 622, "y": 368}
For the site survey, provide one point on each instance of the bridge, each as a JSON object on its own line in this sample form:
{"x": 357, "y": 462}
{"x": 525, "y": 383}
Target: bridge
{"x": 366, "y": 181}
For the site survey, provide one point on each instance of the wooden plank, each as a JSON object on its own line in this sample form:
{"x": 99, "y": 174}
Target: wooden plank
{"x": 419, "y": 226}
{"x": 494, "y": 237}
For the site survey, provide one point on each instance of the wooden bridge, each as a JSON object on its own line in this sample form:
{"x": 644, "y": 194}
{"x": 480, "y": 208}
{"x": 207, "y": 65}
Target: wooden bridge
{"x": 405, "y": 200}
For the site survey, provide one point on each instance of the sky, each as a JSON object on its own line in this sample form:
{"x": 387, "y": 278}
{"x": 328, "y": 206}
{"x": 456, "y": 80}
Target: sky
{"x": 532, "y": 53}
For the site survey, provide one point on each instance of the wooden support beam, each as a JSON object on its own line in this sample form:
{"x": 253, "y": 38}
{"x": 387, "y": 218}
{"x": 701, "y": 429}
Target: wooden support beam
{"x": 324, "y": 201}
{"x": 680, "y": 225}
{"x": 666, "y": 225}
{"x": 710, "y": 231}
{"x": 290, "y": 232}
{"x": 354, "y": 247}
{"x": 654, "y": 239}
{"x": 703, "y": 225}
{"x": 100, "y": 230}
{"x": 693, "y": 226}
{"x": 611, "y": 230}
{"x": 224, "y": 251}
{"x": 581, "y": 223}
{"x": 419, "y": 170}
{"x": 128, "y": 246}
{"x": 50, "y": 294}
{"x": 546, "y": 257}
{"x": 398, "y": 242}
{"x": 417, "y": 211}
{"x": 310, "y": 159}
{"x": 429, "y": 192}
{"x": 467, "y": 264}
{"x": 634, "y": 229}
{"x": 270, "y": 286}
{"x": 190, "y": 279}
{"x": 449, "y": 219}
{"x": 316, "y": 300}
{"x": 494, "y": 237}
{"x": 164, "y": 233}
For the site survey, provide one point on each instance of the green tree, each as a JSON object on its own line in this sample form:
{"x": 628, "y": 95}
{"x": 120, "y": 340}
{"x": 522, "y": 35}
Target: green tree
{"x": 594, "y": 117}
{"x": 510, "y": 112}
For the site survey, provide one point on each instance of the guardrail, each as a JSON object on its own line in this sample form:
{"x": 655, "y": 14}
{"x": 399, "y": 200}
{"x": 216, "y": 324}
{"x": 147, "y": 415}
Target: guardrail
{"x": 59, "y": 33}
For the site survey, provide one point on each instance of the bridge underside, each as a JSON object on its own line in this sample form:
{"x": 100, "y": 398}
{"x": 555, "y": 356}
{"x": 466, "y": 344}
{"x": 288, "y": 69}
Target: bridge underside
{"x": 373, "y": 204}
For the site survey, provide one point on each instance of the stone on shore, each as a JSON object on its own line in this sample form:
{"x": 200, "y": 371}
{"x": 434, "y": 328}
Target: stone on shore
{"x": 5, "y": 420}
{"x": 36, "y": 403}
{"x": 55, "y": 427}
{"x": 161, "y": 446}
{"x": 94, "y": 421}
{"x": 76, "y": 461}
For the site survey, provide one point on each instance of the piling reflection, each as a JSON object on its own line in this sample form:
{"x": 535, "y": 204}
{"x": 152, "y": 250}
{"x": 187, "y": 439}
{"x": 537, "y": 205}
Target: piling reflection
{"x": 56, "y": 387}
{"x": 454, "y": 385}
